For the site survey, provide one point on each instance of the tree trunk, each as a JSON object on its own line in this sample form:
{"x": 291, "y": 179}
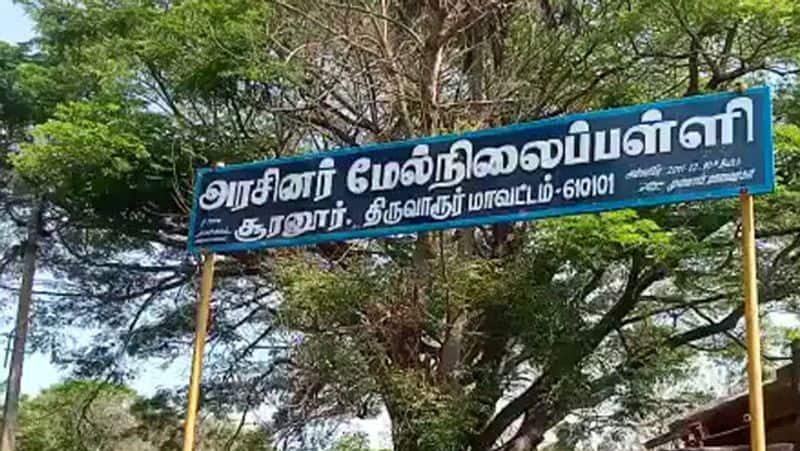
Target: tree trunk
{"x": 7, "y": 442}
{"x": 530, "y": 434}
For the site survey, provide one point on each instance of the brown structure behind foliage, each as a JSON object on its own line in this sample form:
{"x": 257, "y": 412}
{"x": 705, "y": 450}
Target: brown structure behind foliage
{"x": 724, "y": 424}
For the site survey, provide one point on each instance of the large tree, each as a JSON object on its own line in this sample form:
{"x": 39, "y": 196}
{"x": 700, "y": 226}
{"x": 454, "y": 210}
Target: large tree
{"x": 479, "y": 338}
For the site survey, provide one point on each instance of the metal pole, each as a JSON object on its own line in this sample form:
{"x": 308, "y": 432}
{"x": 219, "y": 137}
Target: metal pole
{"x": 10, "y": 409}
{"x": 756, "y": 397}
{"x": 206, "y": 284}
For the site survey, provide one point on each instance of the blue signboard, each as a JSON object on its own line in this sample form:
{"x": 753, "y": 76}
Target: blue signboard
{"x": 675, "y": 151}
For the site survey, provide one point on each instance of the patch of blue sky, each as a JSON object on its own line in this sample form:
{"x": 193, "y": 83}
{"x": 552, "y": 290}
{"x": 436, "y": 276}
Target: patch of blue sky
{"x": 15, "y": 25}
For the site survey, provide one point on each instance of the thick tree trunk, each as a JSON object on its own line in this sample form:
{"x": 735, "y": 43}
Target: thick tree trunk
{"x": 530, "y": 433}
{"x": 526, "y": 442}
{"x": 7, "y": 442}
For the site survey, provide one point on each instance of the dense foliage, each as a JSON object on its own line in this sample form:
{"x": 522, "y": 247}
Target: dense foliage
{"x": 80, "y": 415}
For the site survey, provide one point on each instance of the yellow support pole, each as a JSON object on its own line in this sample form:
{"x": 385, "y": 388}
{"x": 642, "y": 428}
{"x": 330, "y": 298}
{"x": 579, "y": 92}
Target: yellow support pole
{"x": 758, "y": 440}
{"x": 206, "y": 284}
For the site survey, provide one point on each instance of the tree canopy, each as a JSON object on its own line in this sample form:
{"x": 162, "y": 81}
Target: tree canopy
{"x": 80, "y": 415}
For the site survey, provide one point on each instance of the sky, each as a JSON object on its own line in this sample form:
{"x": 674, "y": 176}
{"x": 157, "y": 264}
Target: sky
{"x": 15, "y": 26}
